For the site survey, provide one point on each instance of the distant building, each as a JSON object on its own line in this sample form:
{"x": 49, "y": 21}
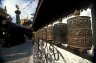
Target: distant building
{"x": 23, "y": 21}
{"x": 27, "y": 23}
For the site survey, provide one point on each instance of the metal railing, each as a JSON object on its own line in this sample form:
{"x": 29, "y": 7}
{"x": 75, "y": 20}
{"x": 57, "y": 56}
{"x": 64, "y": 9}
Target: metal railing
{"x": 46, "y": 53}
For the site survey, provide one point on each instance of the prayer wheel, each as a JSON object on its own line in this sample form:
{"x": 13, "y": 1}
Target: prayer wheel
{"x": 79, "y": 32}
{"x": 60, "y": 33}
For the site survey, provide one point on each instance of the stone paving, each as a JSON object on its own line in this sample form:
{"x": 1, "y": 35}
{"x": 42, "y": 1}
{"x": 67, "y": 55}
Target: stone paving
{"x": 17, "y": 54}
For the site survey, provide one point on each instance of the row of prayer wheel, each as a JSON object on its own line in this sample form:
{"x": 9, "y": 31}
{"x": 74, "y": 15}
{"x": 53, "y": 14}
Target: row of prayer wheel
{"x": 76, "y": 33}
{"x": 57, "y": 33}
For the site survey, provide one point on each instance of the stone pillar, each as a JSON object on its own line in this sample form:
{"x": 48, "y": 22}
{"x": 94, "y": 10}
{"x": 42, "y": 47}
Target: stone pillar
{"x": 93, "y": 11}
{"x": 18, "y": 16}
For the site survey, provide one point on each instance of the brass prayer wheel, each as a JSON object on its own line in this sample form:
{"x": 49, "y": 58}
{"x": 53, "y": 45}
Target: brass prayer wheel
{"x": 79, "y": 32}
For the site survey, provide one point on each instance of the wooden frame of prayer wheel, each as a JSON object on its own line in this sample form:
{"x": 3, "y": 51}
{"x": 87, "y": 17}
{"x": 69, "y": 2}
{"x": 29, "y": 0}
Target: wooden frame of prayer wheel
{"x": 40, "y": 33}
{"x": 44, "y": 33}
{"x": 50, "y": 33}
{"x": 37, "y": 35}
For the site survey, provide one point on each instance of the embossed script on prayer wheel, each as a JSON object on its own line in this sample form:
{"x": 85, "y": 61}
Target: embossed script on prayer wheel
{"x": 50, "y": 33}
{"x": 60, "y": 32}
{"x": 79, "y": 32}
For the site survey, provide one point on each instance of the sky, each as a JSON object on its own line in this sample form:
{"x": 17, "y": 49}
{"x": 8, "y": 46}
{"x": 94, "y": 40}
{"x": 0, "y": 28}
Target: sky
{"x": 28, "y": 7}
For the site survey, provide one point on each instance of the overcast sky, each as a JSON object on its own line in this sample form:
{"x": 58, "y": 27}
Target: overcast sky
{"x": 28, "y": 7}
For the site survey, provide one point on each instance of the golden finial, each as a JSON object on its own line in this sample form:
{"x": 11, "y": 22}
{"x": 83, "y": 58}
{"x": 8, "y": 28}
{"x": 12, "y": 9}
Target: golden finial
{"x": 17, "y": 6}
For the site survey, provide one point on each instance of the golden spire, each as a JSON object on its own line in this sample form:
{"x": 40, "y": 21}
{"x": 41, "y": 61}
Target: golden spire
{"x": 5, "y": 9}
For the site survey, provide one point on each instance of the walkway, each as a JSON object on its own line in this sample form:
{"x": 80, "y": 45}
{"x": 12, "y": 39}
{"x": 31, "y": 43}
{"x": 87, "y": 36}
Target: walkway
{"x": 17, "y": 54}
